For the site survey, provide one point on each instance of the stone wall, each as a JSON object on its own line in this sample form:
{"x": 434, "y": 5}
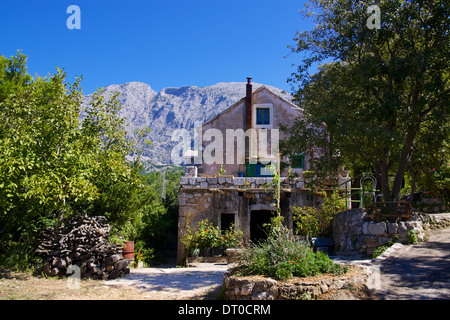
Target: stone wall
{"x": 354, "y": 233}
{"x": 230, "y": 182}
{"x": 262, "y": 288}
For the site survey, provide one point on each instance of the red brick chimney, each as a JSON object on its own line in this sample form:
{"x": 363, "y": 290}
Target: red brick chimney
{"x": 248, "y": 104}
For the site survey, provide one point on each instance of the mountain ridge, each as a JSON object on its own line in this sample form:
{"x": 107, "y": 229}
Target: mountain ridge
{"x": 173, "y": 108}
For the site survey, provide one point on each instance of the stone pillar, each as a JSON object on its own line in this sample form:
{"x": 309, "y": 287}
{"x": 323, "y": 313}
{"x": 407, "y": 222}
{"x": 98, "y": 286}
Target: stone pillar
{"x": 191, "y": 171}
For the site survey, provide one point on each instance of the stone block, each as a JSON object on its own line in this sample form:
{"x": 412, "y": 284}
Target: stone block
{"x": 193, "y": 173}
{"x": 383, "y": 240}
{"x": 402, "y": 227}
{"x": 370, "y": 241}
{"x": 265, "y": 290}
{"x": 392, "y": 227}
{"x": 247, "y": 288}
{"x": 365, "y": 227}
{"x": 376, "y": 228}
{"x": 211, "y": 180}
{"x": 239, "y": 181}
{"x": 260, "y": 181}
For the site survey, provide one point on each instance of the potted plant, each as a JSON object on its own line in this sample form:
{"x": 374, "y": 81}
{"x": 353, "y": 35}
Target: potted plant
{"x": 191, "y": 242}
{"x": 217, "y": 244}
{"x": 232, "y": 239}
{"x": 129, "y": 231}
{"x": 208, "y": 237}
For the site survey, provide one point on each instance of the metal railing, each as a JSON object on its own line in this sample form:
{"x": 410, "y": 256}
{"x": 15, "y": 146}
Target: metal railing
{"x": 348, "y": 193}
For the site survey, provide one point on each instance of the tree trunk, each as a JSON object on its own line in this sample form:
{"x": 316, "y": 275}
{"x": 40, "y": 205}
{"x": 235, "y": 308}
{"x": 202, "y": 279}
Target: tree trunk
{"x": 384, "y": 177}
{"x": 61, "y": 213}
{"x": 413, "y": 185}
{"x": 403, "y": 164}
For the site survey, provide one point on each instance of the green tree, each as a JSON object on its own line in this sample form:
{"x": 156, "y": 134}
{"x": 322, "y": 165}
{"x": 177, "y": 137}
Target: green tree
{"x": 379, "y": 91}
{"x": 58, "y": 159}
{"x": 44, "y": 162}
{"x": 13, "y": 74}
{"x": 121, "y": 192}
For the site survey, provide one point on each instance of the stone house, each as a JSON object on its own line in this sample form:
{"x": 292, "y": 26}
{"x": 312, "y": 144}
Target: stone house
{"x": 229, "y": 173}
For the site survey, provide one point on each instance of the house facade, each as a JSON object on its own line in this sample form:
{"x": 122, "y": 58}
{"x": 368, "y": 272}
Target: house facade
{"x": 229, "y": 174}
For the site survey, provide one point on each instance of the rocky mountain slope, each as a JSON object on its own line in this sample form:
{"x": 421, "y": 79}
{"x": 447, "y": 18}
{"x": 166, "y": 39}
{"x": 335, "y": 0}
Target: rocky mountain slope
{"x": 173, "y": 108}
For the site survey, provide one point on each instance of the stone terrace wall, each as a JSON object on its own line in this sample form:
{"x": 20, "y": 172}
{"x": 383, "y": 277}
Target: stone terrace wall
{"x": 237, "y": 182}
{"x": 262, "y": 288}
{"x": 352, "y": 232}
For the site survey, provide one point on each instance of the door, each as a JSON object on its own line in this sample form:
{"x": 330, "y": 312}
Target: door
{"x": 258, "y": 221}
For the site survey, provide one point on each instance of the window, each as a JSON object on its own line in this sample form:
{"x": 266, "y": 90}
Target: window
{"x": 298, "y": 162}
{"x": 262, "y": 116}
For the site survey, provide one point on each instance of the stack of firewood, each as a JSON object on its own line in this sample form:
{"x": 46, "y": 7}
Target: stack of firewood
{"x": 82, "y": 241}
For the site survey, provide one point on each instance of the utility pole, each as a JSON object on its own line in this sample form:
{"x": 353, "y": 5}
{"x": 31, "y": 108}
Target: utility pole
{"x": 163, "y": 188}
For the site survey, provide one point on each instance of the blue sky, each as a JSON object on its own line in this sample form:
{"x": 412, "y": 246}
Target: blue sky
{"x": 162, "y": 43}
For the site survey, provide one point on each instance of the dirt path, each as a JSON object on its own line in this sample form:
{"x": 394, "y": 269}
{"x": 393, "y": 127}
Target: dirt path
{"x": 175, "y": 283}
{"x": 418, "y": 272}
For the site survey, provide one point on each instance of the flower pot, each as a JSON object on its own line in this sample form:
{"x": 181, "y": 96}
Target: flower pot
{"x": 217, "y": 251}
{"x": 195, "y": 252}
{"x": 128, "y": 251}
{"x": 207, "y": 252}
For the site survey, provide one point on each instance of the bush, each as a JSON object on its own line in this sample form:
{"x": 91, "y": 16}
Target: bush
{"x": 313, "y": 222}
{"x": 282, "y": 256}
{"x": 412, "y": 236}
{"x": 232, "y": 238}
{"x": 143, "y": 253}
{"x": 205, "y": 236}
{"x": 378, "y": 251}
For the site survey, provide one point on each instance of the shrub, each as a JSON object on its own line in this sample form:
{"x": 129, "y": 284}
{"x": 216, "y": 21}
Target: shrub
{"x": 378, "y": 251}
{"x": 232, "y": 238}
{"x": 412, "y": 236}
{"x": 313, "y": 222}
{"x": 206, "y": 235}
{"x": 282, "y": 256}
{"x": 143, "y": 253}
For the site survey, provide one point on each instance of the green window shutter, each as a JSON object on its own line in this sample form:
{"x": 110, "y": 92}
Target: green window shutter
{"x": 250, "y": 170}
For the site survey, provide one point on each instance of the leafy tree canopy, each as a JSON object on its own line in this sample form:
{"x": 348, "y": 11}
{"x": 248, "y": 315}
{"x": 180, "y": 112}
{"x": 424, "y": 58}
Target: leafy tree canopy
{"x": 383, "y": 94}
{"x": 56, "y": 157}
